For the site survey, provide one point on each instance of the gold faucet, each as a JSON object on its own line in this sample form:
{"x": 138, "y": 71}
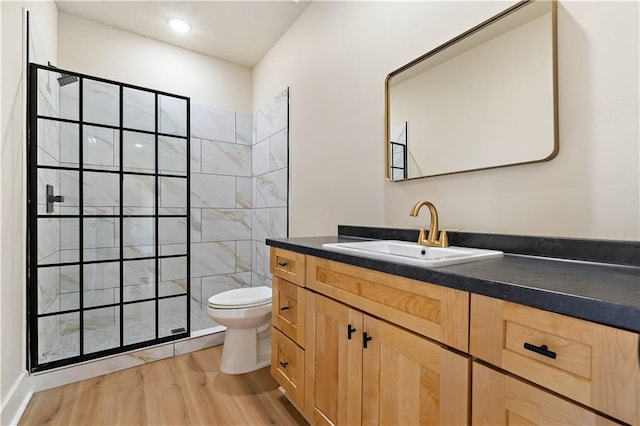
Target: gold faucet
{"x": 436, "y": 238}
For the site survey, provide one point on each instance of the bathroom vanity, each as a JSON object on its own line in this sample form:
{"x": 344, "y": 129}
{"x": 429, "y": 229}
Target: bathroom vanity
{"x": 516, "y": 340}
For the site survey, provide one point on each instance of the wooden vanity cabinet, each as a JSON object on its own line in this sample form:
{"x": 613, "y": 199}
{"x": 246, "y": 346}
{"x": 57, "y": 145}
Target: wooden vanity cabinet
{"x": 592, "y": 364}
{"x": 499, "y": 399}
{"x": 288, "y": 322}
{"x": 362, "y": 370}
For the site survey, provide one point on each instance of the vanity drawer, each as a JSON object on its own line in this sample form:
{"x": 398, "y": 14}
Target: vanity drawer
{"x": 288, "y": 309}
{"x": 437, "y": 312}
{"x": 287, "y": 365}
{"x": 288, "y": 265}
{"x": 590, "y": 363}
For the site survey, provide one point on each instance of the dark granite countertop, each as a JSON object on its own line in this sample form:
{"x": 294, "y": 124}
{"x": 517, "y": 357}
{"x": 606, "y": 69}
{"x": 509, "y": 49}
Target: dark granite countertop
{"x": 601, "y": 292}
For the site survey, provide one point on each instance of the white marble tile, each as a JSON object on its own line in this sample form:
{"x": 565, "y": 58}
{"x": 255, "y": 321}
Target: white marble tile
{"x": 260, "y": 158}
{"x": 212, "y": 123}
{"x": 278, "y": 222}
{"x": 101, "y": 148}
{"x": 261, "y": 224}
{"x": 196, "y": 290}
{"x": 196, "y": 225}
{"x": 196, "y": 155}
{"x": 218, "y": 283}
{"x": 258, "y": 280}
{"x": 173, "y": 196}
{"x": 69, "y": 104}
{"x": 243, "y": 128}
{"x": 101, "y": 329}
{"x": 279, "y": 150}
{"x": 172, "y": 316}
{"x": 138, "y": 109}
{"x": 139, "y": 152}
{"x": 261, "y": 258}
{"x": 49, "y": 237}
{"x": 172, "y": 155}
{"x": 48, "y": 93}
{"x": 243, "y": 256}
{"x": 213, "y": 191}
{"x": 271, "y": 189}
{"x": 254, "y": 129}
{"x": 213, "y": 258}
{"x": 173, "y": 268}
{"x": 243, "y": 192}
{"x": 226, "y": 158}
{"x": 225, "y": 225}
{"x": 100, "y": 276}
{"x": 100, "y": 103}
{"x": 173, "y": 115}
{"x": 101, "y": 192}
{"x": 101, "y": 297}
{"x": 139, "y": 196}
{"x": 137, "y": 272}
{"x": 198, "y": 343}
{"x": 138, "y": 231}
{"x": 49, "y": 141}
{"x": 172, "y": 230}
{"x": 48, "y": 287}
{"x": 173, "y": 249}
{"x": 65, "y": 183}
{"x": 97, "y": 233}
{"x": 272, "y": 117}
{"x": 139, "y": 322}
{"x": 69, "y": 279}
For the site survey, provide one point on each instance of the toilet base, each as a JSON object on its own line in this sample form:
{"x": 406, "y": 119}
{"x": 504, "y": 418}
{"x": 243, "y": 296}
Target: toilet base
{"x": 246, "y": 349}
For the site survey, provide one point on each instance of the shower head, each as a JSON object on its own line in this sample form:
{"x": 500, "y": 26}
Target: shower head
{"x": 66, "y": 79}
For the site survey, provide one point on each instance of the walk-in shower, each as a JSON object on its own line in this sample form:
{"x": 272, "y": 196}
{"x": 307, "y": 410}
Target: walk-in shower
{"x": 108, "y": 202}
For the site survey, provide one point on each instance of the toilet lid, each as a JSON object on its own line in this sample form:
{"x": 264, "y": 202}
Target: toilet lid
{"x": 241, "y": 297}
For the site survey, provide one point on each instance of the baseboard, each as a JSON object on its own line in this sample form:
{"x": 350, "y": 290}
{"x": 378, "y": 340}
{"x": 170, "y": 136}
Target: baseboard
{"x": 16, "y": 401}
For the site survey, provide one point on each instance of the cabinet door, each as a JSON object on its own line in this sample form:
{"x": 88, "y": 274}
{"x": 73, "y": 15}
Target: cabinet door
{"x": 503, "y": 400}
{"x": 333, "y": 362}
{"x": 409, "y": 380}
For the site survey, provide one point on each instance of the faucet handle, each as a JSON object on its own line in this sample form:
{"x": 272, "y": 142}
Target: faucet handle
{"x": 444, "y": 237}
{"x": 422, "y": 237}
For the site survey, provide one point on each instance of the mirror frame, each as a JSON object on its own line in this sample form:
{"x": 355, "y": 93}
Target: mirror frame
{"x": 466, "y": 34}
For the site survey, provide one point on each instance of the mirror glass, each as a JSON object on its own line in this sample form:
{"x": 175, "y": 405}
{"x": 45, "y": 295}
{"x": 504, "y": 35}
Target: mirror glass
{"x": 485, "y": 99}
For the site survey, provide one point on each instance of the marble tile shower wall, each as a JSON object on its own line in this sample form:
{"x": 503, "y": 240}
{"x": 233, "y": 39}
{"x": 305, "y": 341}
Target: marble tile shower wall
{"x": 238, "y": 198}
{"x": 270, "y": 182}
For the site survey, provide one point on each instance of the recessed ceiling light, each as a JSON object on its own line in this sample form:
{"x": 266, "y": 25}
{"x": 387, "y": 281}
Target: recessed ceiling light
{"x": 179, "y": 25}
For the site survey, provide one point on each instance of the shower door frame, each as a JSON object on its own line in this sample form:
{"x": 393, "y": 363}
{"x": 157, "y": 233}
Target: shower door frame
{"x": 33, "y": 167}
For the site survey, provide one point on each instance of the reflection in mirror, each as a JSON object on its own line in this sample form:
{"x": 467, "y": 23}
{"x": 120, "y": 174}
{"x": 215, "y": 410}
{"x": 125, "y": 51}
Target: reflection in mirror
{"x": 482, "y": 100}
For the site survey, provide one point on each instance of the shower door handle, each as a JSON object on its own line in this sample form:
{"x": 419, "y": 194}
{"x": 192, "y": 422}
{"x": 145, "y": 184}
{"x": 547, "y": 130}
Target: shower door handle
{"x": 52, "y": 199}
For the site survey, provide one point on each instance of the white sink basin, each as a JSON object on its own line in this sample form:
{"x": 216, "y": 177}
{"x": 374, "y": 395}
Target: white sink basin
{"x": 413, "y": 253}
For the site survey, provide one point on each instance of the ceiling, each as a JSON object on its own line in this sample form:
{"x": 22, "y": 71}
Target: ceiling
{"x": 236, "y": 31}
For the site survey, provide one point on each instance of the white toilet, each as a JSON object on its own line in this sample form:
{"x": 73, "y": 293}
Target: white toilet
{"x": 246, "y": 312}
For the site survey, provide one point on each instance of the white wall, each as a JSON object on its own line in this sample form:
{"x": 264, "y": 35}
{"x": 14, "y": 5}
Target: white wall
{"x": 12, "y": 186}
{"x": 335, "y": 59}
{"x": 91, "y": 48}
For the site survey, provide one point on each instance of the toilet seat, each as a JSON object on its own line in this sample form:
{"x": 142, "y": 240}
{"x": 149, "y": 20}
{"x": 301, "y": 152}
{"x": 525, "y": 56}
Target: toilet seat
{"x": 248, "y": 297}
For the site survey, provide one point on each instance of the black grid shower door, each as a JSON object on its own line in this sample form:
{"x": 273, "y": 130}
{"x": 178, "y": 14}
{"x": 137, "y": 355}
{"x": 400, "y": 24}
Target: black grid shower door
{"x": 108, "y": 230}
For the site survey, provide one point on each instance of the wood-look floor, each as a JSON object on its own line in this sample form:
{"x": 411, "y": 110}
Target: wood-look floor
{"x": 184, "y": 390}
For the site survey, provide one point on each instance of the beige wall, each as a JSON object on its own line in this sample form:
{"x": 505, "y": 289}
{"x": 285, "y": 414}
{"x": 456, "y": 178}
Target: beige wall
{"x": 335, "y": 59}
{"x": 43, "y": 20}
{"x": 91, "y": 48}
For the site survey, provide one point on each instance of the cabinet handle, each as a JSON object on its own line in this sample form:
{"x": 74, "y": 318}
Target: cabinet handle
{"x": 365, "y": 339}
{"x": 284, "y": 308}
{"x": 542, "y": 350}
{"x": 282, "y": 264}
{"x": 284, "y": 364}
{"x": 350, "y": 331}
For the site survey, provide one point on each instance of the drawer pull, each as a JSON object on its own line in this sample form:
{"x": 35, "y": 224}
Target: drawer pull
{"x": 284, "y": 364}
{"x": 350, "y": 331}
{"x": 284, "y": 308}
{"x": 542, "y": 350}
{"x": 282, "y": 264}
{"x": 365, "y": 339}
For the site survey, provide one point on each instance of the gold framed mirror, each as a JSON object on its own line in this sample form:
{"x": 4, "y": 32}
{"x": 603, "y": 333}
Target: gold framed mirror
{"x": 485, "y": 99}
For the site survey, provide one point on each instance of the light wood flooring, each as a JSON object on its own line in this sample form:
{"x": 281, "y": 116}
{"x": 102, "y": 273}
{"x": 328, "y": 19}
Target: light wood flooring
{"x": 183, "y": 390}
